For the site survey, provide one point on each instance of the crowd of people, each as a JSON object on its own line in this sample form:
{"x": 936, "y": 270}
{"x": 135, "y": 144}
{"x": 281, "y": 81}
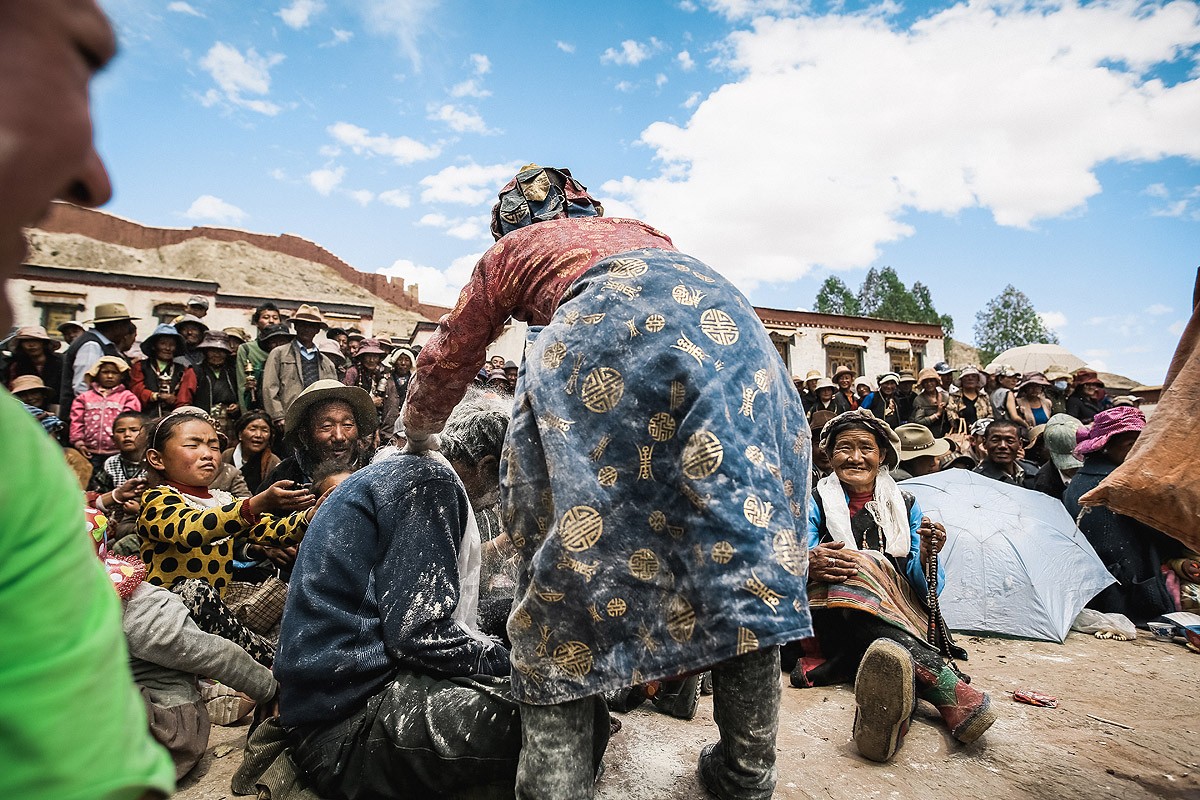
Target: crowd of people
{"x": 427, "y": 578}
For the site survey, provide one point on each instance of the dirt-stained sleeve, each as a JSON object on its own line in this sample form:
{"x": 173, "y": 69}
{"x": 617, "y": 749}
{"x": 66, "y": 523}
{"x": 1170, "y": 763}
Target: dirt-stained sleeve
{"x": 451, "y": 359}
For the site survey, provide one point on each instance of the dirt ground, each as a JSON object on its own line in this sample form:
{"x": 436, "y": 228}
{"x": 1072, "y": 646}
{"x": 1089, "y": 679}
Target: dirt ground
{"x": 1061, "y": 753}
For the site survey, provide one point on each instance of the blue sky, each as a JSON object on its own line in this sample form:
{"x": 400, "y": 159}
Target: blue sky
{"x": 1049, "y": 145}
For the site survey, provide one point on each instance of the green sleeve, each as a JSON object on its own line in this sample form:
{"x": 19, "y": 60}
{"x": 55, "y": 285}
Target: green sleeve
{"x": 72, "y": 724}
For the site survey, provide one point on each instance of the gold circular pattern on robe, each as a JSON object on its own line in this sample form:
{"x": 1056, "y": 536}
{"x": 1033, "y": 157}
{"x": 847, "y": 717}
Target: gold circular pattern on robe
{"x": 607, "y": 476}
{"x": 754, "y": 455}
{"x": 681, "y": 295}
{"x": 722, "y": 552}
{"x": 657, "y": 520}
{"x": 573, "y": 658}
{"x": 515, "y": 214}
{"x": 655, "y": 323}
{"x": 681, "y": 618}
{"x": 661, "y": 427}
{"x": 747, "y": 642}
{"x": 720, "y": 327}
{"x": 702, "y": 455}
{"x": 627, "y": 267}
{"x": 762, "y": 380}
{"x": 643, "y": 564}
{"x": 757, "y": 512}
{"x": 602, "y": 389}
{"x": 789, "y": 553}
{"x": 580, "y": 528}
{"x": 616, "y": 607}
{"x": 553, "y": 355}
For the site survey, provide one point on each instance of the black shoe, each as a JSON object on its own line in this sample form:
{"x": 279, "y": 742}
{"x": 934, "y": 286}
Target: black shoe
{"x": 679, "y": 698}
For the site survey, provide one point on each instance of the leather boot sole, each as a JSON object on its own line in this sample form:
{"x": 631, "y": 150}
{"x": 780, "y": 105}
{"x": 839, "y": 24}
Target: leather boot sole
{"x": 885, "y": 691}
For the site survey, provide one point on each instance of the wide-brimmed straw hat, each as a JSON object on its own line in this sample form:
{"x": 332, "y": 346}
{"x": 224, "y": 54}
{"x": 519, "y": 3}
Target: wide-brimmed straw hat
{"x": 825, "y": 383}
{"x": 916, "y": 440}
{"x": 215, "y": 340}
{"x": 94, "y": 369}
{"x": 813, "y": 375}
{"x": 159, "y": 332}
{"x": 861, "y": 418}
{"x": 309, "y": 313}
{"x": 1105, "y": 425}
{"x": 928, "y": 374}
{"x": 111, "y": 312}
{"x": 189, "y": 319}
{"x": 35, "y": 332}
{"x": 843, "y": 369}
{"x": 28, "y": 383}
{"x": 329, "y": 389}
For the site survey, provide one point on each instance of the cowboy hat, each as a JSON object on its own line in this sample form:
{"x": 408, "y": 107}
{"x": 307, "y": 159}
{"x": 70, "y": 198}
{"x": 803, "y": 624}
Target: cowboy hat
{"x": 916, "y": 440}
{"x": 843, "y": 370}
{"x": 35, "y": 332}
{"x": 813, "y": 375}
{"x": 329, "y": 389}
{"x": 309, "y": 313}
{"x": 111, "y": 312}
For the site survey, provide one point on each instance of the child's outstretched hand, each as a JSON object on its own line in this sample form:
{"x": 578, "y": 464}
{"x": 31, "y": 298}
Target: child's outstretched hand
{"x": 285, "y": 496}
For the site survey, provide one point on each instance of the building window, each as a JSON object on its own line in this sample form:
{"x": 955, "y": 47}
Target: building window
{"x": 783, "y": 346}
{"x": 165, "y": 312}
{"x": 839, "y": 355}
{"x": 904, "y": 354}
{"x": 55, "y": 314}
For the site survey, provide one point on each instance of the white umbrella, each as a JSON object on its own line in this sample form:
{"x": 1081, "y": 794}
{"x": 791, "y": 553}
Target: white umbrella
{"x": 1015, "y": 562}
{"x": 1037, "y": 358}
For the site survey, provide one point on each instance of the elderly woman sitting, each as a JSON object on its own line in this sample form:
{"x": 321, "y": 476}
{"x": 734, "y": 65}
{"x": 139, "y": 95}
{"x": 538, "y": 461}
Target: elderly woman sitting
{"x": 869, "y": 545}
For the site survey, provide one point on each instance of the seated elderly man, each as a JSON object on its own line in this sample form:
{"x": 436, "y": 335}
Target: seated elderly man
{"x": 388, "y": 688}
{"x": 328, "y": 421}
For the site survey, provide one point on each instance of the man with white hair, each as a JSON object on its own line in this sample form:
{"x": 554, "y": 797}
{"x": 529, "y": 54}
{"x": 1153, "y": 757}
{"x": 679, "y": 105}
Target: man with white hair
{"x": 388, "y": 688}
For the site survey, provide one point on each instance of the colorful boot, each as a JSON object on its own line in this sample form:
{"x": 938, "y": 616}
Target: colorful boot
{"x": 885, "y": 691}
{"x": 966, "y": 711}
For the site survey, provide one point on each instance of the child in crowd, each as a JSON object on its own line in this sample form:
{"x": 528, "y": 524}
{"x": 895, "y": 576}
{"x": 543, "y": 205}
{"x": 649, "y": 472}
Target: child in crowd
{"x": 94, "y": 411}
{"x": 167, "y": 655}
{"x": 129, "y": 435}
{"x": 189, "y": 532}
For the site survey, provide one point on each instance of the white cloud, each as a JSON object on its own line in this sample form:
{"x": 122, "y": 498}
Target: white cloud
{"x": 404, "y": 20}
{"x": 180, "y": 7}
{"x": 300, "y": 13}
{"x": 339, "y": 37}
{"x": 466, "y": 228}
{"x": 744, "y": 9}
{"x": 659, "y": 80}
{"x": 469, "y": 88}
{"x": 361, "y": 196}
{"x": 207, "y": 208}
{"x": 278, "y": 174}
{"x": 688, "y": 6}
{"x": 395, "y": 198}
{"x": 401, "y": 149}
{"x": 1173, "y": 210}
{"x": 1177, "y": 327}
{"x": 631, "y": 53}
{"x": 989, "y": 104}
{"x": 238, "y": 74}
{"x": 468, "y": 184}
{"x": 693, "y": 100}
{"x": 459, "y": 120}
{"x": 1054, "y": 320}
{"x": 624, "y": 86}
{"x": 1156, "y": 190}
{"x": 437, "y": 286}
{"x": 1158, "y": 309}
{"x": 566, "y": 47}
{"x": 326, "y": 180}
{"x": 685, "y": 60}
{"x": 481, "y": 64}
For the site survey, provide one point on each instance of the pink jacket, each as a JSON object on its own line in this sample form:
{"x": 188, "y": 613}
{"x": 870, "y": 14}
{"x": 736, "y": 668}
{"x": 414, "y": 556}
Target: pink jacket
{"x": 93, "y": 415}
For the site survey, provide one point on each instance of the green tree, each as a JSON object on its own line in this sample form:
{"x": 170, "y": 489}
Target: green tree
{"x": 834, "y": 297}
{"x": 1009, "y": 320}
{"x": 925, "y": 310}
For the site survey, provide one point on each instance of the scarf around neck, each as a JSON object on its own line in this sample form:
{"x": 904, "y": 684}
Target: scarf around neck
{"x": 887, "y": 509}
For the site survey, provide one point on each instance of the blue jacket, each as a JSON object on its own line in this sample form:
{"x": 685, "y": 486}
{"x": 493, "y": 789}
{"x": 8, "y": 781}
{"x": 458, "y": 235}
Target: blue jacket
{"x": 373, "y": 591}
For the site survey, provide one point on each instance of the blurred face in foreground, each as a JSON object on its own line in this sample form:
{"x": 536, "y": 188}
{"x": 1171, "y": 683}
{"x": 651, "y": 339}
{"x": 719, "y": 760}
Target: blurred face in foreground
{"x": 49, "y": 51}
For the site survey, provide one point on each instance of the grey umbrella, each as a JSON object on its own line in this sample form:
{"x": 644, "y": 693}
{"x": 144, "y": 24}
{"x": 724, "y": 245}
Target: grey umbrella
{"x": 1015, "y": 562}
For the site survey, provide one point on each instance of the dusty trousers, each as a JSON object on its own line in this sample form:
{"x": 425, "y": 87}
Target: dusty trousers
{"x": 741, "y": 766}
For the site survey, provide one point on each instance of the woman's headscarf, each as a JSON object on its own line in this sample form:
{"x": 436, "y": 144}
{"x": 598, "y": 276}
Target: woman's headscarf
{"x": 538, "y": 194}
{"x": 889, "y": 442}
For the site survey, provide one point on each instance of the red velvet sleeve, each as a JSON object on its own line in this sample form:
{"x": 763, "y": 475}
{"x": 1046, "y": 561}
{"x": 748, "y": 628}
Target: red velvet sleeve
{"x": 187, "y": 388}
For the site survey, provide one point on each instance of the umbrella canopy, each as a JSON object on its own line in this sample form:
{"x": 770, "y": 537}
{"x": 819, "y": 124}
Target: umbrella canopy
{"x": 1037, "y": 358}
{"x": 1015, "y": 562}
